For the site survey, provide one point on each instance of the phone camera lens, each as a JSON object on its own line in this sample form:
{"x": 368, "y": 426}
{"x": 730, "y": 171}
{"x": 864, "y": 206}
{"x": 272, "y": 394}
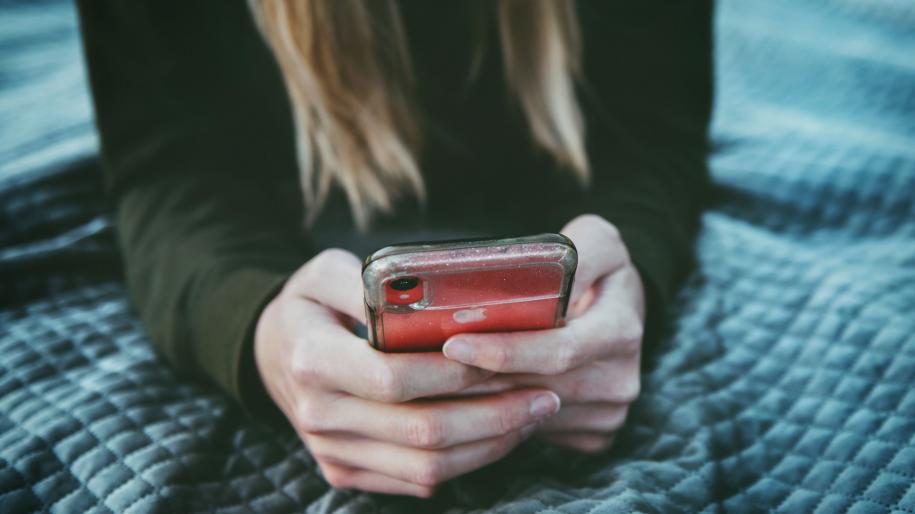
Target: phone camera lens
{"x": 404, "y": 283}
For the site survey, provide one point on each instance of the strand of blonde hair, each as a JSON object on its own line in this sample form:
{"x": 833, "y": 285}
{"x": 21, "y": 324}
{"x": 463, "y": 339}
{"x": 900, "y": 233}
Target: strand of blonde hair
{"x": 347, "y": 70}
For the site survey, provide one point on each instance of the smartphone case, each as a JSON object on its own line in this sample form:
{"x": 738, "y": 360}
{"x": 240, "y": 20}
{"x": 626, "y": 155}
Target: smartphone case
{"x": 485, "y": 285}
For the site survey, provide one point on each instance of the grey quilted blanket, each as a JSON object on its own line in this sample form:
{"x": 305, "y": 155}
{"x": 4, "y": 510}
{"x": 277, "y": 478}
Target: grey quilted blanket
{"x": 786, "y": 381}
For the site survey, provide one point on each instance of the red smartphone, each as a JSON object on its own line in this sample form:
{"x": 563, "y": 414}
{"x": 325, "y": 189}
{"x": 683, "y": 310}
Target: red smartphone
{"x": 417, "y": 295}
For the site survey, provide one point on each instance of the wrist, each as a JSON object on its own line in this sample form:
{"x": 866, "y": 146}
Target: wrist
{"x": 253, "y": 386}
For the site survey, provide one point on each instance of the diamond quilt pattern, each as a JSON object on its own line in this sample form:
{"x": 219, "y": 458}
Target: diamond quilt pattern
{"x": 785, "y": 383}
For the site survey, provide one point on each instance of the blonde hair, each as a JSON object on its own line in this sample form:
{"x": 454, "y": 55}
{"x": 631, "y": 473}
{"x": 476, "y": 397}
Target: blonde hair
{"x": 347, "y": 70}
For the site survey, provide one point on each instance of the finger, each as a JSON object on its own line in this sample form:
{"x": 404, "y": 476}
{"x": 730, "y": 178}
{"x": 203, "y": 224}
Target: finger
{"x": 614, "y": 380}
{"x": 583, "y": 442}
{"x": 543, "y": 351}
{"x": 441, "y": 423}
{"x": 422, "y": 467}
{"x": 339, "y": 360}
{"x": 333, "y": 278}
{"x": 343, "y": 477}
{"x": 491, "y": 385}
{"x": 600, "y": 251}
{"x": 582, "y": 303}
{"x": 586, "y": 417}
{"x": 611, "y": 327}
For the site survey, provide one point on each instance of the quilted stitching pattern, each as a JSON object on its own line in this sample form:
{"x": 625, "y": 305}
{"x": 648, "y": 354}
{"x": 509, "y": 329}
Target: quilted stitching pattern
{"x": 786, "y": 383}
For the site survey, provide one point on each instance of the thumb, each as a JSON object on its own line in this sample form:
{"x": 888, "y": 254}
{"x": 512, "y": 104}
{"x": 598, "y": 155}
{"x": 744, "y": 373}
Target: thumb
{"x": 333, "y": 278}
{"x": 600, "y": 252}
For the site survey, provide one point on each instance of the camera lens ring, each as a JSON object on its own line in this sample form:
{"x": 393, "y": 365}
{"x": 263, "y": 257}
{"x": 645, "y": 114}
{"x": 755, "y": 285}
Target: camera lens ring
{"x": 404, "y": 283}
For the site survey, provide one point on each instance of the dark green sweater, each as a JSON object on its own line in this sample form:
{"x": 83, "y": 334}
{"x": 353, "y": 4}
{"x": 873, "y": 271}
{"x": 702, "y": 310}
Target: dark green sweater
{"x": 197, "y": 142}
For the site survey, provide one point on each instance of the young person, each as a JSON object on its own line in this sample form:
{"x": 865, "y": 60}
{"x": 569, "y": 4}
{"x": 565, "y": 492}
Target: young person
{"x": 256, "y": 151}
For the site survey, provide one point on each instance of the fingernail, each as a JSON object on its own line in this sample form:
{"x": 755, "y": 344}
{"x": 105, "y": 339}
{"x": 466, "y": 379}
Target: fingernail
{"x": 528, "y": 430}
{"x": 544, "y": 405}
{"x": 458, "y": 350}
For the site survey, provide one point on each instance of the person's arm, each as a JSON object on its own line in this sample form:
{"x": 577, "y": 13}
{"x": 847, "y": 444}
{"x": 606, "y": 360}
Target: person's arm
{"x": 649, "y": 87}
{"x": 194, "y": 124}
{"x": 649, "y": 91}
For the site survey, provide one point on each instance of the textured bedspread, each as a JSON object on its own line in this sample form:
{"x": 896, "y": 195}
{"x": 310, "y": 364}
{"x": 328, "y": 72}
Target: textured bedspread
{"x": 787, "y": 381}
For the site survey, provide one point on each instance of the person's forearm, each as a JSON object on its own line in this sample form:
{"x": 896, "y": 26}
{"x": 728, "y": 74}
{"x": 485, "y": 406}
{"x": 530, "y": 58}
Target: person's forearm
{"x": 202, "y": 259}
{"x": 649, "y": 95}
{"x": 195, "y": 135}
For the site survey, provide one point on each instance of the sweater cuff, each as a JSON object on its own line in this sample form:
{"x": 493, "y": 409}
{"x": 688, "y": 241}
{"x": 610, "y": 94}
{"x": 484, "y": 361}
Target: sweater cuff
{"x": 226, "y": 330}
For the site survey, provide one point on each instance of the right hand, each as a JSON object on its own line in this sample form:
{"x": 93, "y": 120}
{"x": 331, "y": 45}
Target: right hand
{"x": 351, "y": 404}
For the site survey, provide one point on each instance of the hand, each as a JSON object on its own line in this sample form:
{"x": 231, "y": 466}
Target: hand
{"x": 592, "y": 362}
{"x": 351, "y": 404}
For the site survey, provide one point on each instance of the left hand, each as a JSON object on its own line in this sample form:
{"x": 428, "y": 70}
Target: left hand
{"x": 592, "y": 362}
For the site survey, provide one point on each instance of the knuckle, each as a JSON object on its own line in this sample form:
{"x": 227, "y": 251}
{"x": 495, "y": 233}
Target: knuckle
{"x": 590, "y": 218}
{"x": 499, "y": 358}
{"x": 615, "y": 385}
{"x": 469, "y": 376}
{"x": 603, "y": 325}
{"x": 616, "y": 419}
{"x": 610, "y": 230}
{"x": 340, "y": 478}
{"x": 628, "y": 391}
{"x": 386, "y": 384}
{"x": 425, "y": 431}
{"x": 330, "y": 256}
{"x": 503, "y": 445}
{"x": 425, "y": 492}
{"x": 564, "y": 358}
{"x": 634, "y": 333}
{"x": 632, "y": 326}
{"x": 630, "y": 331}
{"x": 505, "y": 421}
{"x": 628, "y": 346}
{"x": 319, "y": 264}
{"x": 430, "y": 470}
{"x": 607, "y": 229}
{"x": 312, "y": 271}
{"x": 595, "y": 444}
{"x": 305, "y": 370}
{"x": 308, "y": 418}
{"x": 579, "y": 389}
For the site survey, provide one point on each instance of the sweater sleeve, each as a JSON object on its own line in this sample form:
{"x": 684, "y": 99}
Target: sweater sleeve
{"x": 648, "y": 98}
{"x": 187, "y": 106}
